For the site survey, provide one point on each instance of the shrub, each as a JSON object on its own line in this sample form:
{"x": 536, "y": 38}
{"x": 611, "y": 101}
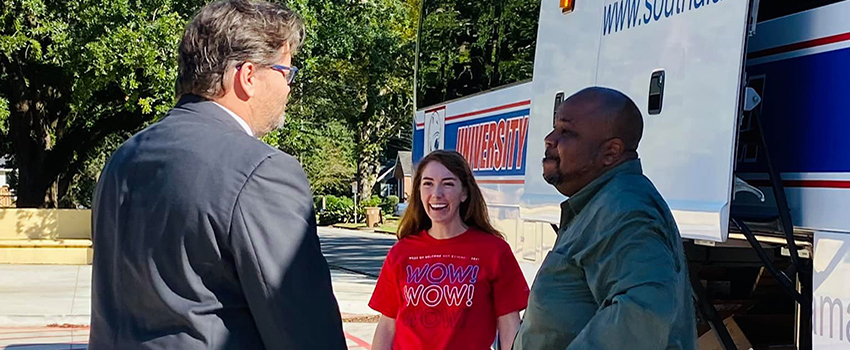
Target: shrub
{"x": 372, "y": 202}
{"x": 337, "y": 210}
{"x": 389, "y": 205}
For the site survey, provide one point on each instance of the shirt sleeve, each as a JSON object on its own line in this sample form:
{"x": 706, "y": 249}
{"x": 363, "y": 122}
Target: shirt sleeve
{"x": 510, "y": 290}
{"x": 634, "y": 275}
{"x": 386, "y": 298}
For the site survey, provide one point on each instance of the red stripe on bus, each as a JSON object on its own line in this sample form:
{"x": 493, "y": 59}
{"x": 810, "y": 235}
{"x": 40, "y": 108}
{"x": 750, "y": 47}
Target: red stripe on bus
{"x": 488, "y": 110}
{"x": 806, "y": 183}
{"x": 501, "y": 182}
{"x": 799, "y": 46}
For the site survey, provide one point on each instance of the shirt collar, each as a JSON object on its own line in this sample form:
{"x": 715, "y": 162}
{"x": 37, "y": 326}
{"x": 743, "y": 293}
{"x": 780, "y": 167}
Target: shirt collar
{"x": 573, "y": 205}
{"x": 238, "y": 119}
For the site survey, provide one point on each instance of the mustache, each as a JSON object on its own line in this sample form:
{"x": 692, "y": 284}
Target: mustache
{"x": 551, "y": 155}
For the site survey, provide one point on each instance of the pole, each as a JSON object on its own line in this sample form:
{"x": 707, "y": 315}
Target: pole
{"x": 354, "y": 190}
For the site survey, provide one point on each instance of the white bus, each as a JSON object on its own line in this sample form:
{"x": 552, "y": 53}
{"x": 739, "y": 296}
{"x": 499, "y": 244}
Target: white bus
{"x": 746, "y": 107}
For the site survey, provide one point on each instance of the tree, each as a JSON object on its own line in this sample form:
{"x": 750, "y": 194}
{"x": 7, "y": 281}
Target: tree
{"x": 359, "y": 71}
{"x": 75, "y": 72}
{"x": 326, "y": 151}
{"x": 468, "y": 47}
{"x": 79, "y": 77}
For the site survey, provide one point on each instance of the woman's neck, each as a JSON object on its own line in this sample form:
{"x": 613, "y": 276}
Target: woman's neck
{"x": 448, "y": 230}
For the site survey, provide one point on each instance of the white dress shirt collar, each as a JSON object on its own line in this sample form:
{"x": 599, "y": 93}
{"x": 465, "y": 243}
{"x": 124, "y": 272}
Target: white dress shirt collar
{"x": 238, "y": 119}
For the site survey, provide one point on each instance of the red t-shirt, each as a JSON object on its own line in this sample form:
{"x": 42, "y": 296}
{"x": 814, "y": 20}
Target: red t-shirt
{"x": 447, "y": 294}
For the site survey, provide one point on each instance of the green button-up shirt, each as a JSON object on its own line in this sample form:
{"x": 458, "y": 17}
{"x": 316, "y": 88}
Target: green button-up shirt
{"x": 616, "y": 277}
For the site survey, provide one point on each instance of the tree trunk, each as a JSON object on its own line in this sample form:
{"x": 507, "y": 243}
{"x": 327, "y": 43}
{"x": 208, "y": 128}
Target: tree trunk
{"x": 33, "y": 189}
{"x": 29, "y": 131}
{"x": 368, "y": 156}
{"x": 36, "y": 187}
{"x": 31, "y": 141}
{"x": 369, "y": 146}
{"x": 368, "y": 167}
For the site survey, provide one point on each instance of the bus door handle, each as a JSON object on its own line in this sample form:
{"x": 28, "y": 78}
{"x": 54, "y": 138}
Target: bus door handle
{"x": 559, "y": 98}
{"x": 656, "y": 92}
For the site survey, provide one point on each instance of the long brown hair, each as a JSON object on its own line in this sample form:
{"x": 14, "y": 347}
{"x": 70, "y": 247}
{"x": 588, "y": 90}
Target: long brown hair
{"x": 473, "y": 211}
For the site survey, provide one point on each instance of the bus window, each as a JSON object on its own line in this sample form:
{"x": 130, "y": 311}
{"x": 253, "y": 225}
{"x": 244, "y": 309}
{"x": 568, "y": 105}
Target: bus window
{"x": 466, "y": 47}
{"x": 770, "y": 9}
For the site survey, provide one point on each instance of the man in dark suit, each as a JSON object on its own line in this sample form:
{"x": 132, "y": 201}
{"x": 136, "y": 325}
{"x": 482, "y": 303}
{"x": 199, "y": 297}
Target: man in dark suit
{"x": 204, "y": 236}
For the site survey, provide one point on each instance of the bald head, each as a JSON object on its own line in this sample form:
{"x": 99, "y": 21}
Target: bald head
{"x": 613, "y": 110}
{"x": 595, "y": 130}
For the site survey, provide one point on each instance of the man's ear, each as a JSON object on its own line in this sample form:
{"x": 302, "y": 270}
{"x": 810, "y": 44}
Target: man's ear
{"x": 613, "y": 151}
{"x": 245, "y": 80}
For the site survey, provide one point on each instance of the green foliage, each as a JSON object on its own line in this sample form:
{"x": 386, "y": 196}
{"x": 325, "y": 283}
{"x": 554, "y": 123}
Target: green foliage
{"x": 389, "y": 205}
{"x": 82, "y": 190}
{"x": 75, "y": 73}
{"x": 4, "y": 116}
{"x": 89, "y": 74}
{"x": 471, "y": 46}
{"x": 355, "y": 94}
{"x": 5, "y": 142}
{"x": 374, "y": 201}
{"x": 326, "y": 151}
{"x": 337, "y": 210}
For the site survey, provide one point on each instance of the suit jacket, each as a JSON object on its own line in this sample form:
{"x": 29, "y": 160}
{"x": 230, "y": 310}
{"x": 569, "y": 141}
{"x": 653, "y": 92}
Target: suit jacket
{"x": 205, "y": 238}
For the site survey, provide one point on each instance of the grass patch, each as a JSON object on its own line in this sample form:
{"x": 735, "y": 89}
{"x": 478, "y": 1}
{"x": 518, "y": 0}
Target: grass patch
{"x": 389, "y": 226}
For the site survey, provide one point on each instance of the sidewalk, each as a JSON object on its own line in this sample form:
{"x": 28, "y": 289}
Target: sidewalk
{"x": 47, "y": 307}
{"x": 40, "y": 295}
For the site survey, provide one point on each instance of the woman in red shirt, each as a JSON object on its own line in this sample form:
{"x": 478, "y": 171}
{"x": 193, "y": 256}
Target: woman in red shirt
{"x": 451, "y": 280}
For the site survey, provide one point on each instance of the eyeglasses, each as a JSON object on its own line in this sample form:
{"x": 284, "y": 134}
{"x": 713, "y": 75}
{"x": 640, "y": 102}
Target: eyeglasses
{"x": 289, "y": 72}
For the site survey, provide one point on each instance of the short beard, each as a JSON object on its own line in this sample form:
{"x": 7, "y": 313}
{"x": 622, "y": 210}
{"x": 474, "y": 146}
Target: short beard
{"x": 556, "y": 178}
{"x": 560, "y": 179}
{"x": 277, "y": 122}
{"x": 273, "y": 122}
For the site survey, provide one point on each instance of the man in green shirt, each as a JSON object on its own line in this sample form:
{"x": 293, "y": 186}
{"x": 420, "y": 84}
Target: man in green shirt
{"x": 616, "y": 277}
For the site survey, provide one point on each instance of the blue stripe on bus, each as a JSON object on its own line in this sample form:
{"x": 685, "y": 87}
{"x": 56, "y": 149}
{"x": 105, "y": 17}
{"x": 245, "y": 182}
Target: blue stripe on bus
{"x": 418, "y": 146}
{"x": 806, "y": 112}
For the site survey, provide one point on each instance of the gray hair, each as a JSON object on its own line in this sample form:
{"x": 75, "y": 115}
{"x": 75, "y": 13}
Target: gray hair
{"x": 229, "y": 32}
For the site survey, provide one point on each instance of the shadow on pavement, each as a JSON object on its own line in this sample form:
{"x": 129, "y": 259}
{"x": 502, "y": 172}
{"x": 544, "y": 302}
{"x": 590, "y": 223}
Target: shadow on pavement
{"x": 356, "y": 254}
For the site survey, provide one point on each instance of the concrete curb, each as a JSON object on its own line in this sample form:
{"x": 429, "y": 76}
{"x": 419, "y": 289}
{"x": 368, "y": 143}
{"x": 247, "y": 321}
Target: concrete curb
{"x": 43, "y": 320}
{"x": 371, "y": 232}
{"x": 377, "y": 230}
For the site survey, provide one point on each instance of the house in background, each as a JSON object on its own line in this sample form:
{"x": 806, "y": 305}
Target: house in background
{"x": 403, "y": 173}
{"x": 7, "y": 199}
{"x": 396, "y": 177}
{"x": 387, "y": 182}
{"x": 4, "y": 172}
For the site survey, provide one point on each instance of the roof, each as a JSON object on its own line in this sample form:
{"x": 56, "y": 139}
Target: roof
{"x": 405, "y": 160}
{"x": 389, "y": 168}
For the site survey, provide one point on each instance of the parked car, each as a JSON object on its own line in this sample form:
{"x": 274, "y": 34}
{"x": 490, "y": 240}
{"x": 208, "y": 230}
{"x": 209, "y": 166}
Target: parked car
{"x": 399, "y": 210}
